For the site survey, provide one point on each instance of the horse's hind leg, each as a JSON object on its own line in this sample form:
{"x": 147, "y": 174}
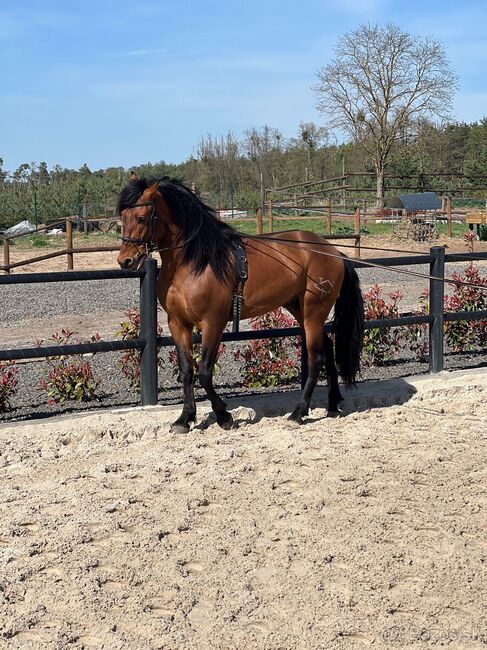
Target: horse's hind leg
{"x": 209, "y": 352}
{"x": 314, "y": 345}
{"x": 334, "y": 395}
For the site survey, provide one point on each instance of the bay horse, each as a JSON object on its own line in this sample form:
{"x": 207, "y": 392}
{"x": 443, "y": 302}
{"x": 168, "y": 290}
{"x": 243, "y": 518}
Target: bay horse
{"x": 296, "y": 269}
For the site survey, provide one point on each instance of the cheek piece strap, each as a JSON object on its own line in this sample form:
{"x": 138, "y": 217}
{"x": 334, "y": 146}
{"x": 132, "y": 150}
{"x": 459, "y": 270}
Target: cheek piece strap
{"x": 147, "y": 244}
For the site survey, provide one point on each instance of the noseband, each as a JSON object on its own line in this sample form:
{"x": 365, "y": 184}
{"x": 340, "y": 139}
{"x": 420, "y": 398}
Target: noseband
{"x": 148, "y": 245}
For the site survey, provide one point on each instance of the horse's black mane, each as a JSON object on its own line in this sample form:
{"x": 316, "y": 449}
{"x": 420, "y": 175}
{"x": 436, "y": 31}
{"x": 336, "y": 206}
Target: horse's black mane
{"x": 206, "y": 239}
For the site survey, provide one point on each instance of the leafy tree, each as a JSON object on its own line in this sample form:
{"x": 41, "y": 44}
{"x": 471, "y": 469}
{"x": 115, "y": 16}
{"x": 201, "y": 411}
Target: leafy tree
{"x": 475, "y": 161}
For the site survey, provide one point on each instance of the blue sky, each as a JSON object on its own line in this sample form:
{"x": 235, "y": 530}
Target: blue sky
{"x": 123, "y": 82}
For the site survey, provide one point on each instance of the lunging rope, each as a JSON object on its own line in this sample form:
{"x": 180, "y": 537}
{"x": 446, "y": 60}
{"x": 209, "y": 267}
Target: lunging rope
{"x": 292, "y": 244}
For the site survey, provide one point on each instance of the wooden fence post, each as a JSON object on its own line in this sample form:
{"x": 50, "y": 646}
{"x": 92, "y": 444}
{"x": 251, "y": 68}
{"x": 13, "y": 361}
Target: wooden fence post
{"x": 271, "y": 218}
{"x": 448, "y": 216}
{"x": 356, "y": 219}
{"x": 328, "y": 215}
{"x": 258, "y": 222}
{"x": 6, "y": 255}
{"x": 69, "y": 243}
{"x": 148, "y": 332}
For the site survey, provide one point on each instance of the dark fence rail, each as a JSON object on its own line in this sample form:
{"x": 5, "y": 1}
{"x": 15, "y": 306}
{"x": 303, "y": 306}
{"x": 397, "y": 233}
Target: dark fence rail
{"x": 148, "y": 341}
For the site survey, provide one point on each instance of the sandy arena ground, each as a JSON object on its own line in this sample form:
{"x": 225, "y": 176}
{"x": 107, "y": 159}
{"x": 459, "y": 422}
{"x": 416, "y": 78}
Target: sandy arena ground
{"x": 366, "y": 530}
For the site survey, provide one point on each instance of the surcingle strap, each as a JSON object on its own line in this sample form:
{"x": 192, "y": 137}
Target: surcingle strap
{"x": 241, "y": 277}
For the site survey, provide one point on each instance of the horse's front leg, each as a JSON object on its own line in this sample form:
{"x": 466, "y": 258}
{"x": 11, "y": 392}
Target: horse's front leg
{"x": 210, "y": 341}
{"x": 183, "y": 340}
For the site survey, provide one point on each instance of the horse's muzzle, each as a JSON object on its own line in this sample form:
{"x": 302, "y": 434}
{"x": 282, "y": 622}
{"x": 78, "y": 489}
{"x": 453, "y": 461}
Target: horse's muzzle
{"x": 131, "y": 263}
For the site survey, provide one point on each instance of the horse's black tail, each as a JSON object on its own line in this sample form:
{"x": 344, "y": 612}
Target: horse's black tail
{"x": 348, "y": 325}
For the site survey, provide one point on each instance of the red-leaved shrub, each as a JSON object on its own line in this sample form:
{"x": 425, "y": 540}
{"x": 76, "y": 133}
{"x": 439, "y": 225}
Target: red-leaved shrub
{"x": 380, "y": 345}
{"x": 129, "y": 361}
{"x": 70, "y": 377}
{"x": 416, "y": 337}
{"x": 268, "y": 362}
{"x": 466, "y": 335}
{"x": 8, "y": 383}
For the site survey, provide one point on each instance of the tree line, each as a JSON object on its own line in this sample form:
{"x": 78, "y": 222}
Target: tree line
{"x": 230, "y": 171}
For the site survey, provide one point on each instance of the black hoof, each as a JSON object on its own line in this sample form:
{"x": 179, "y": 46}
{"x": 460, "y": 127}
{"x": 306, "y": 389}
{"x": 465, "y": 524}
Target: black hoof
{"x": 333, "y": 414}
{"x": 178, "y": 428}
{"x": 226, "y": 422}
{"x": 296, "y": 417}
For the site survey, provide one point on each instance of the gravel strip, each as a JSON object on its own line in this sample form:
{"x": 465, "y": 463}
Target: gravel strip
{"x": 23, "y": 301}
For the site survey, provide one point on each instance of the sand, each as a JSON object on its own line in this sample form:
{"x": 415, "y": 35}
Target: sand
{"x": 365, "y": 530}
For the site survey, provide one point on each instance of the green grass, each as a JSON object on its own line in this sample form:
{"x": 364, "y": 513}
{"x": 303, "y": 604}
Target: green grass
{"x": 371, "y": 229}
{"x": 39, "y": 241}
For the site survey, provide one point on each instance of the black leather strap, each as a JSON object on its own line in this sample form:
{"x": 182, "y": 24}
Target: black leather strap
{"x": 241, "y": 277}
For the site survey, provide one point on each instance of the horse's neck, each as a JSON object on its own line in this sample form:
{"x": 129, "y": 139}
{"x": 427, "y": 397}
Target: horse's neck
{"x": 169, "y": 248}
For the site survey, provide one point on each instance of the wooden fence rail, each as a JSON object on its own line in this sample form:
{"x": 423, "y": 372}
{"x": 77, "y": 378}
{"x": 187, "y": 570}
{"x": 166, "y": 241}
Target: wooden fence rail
{"x": 69, "y": 251}
{"x": 326, "y": 213}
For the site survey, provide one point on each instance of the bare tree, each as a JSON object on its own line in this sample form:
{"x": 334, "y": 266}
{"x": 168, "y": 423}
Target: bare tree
{"x": 381, "y": 81}
{"x": 264, "y": 148}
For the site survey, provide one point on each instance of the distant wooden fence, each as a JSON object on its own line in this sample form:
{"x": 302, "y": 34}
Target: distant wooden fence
{"x": 274, "y": 213}
{"x": 69, "y": 251}
{"x": 265, "y": 219}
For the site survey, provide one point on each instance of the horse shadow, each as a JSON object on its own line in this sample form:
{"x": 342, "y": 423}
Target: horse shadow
{"x": 251, "y": 409}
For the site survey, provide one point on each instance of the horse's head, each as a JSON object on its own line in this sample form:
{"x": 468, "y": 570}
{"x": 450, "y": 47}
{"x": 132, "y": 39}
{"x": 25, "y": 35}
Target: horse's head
{"x": 138, "y": 205}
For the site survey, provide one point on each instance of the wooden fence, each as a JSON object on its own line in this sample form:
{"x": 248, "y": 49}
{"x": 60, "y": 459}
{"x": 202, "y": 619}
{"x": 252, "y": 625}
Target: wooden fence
{"x": 69, "y": 251}
{"x": 267, "y": 220}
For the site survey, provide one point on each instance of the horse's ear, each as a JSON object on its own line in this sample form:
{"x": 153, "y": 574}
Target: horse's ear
{"x": 133, "y": 176}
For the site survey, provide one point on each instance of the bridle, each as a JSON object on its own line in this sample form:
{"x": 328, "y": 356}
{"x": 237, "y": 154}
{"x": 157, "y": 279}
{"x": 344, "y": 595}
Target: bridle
{"x": 148, "y": 245}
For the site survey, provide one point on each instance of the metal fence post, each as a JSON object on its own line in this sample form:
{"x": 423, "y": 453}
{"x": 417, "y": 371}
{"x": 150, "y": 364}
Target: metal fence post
{"x": 148, "y": 332}
{"x": 437, "y": 294}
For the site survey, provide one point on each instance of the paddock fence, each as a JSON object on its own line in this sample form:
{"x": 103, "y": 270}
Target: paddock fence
{"x": 348, "y": 221}
{"x": 69, "y": 251}
{"x": 148, "y": 341}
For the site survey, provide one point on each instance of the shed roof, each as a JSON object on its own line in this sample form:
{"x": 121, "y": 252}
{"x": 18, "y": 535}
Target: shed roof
{"x": 415, "y": 202}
